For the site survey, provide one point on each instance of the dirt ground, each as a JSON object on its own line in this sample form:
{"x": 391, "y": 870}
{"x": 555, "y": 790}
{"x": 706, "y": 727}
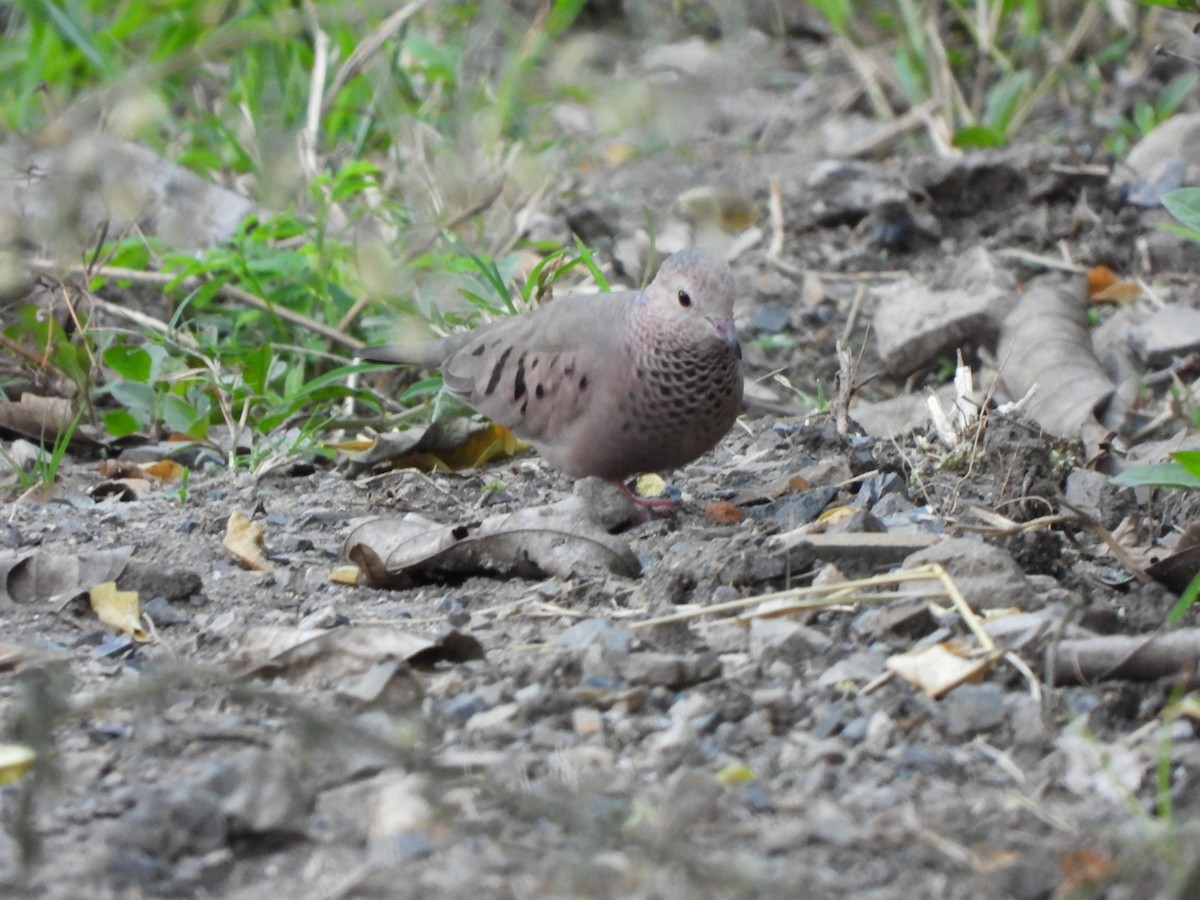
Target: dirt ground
{"x": 285, "y": 734}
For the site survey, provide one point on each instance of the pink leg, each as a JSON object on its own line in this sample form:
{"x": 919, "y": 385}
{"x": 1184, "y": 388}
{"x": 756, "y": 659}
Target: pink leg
{"x": 655, "y": 506}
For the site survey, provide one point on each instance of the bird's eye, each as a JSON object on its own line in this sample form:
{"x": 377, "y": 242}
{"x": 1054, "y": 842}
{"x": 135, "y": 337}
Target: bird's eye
{"x": 685, "y": 299}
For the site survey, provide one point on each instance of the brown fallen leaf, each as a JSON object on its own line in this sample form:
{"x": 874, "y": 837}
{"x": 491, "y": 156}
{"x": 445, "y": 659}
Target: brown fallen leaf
{"x": 764, "y": 492}
{"x": 49, "y": 576}
{"x": 38, "y": 418}
{"x": 723, "y": 512}
{"x": 1177, "y": 569}
{"x": 1046, "y": 342}
{"x": 316, "y": 655}
{"x": 1100, "y": 279}
{"x": 164, "y": 470}
{"x": 125, "y": 489}
{"x": 560, "y": 539}
{"x": 1083, "y": 868}
{"x": 44, "y": 420}
{"x": 244, "y": 539}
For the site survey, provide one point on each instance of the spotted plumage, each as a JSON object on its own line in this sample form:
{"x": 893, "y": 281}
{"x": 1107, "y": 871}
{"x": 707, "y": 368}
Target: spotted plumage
{"x": 606, "y": 384}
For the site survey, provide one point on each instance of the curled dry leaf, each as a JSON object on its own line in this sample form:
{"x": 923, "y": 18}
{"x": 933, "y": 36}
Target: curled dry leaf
{"x": 38, "y": 418}
{"x": 560, "y": 540}
{"x": 1045, "y": 342}
{"x": 49, "y": 576}
{"x": 316, "y": 655}
{"x": 1177, "y": 569}
{"x": 244, "y": 539}
{"x": 44, "y": 420}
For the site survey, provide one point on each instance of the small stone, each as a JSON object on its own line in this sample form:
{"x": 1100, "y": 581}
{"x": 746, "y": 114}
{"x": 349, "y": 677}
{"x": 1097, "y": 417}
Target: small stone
{"x": 587, "y": 721}
{"x": 497, "y": 720}
{"x": 786, "y": 640}
{"x": 601, "y": 632}
{"x": 671, "y": 670}
{"x": 262, "y": 792}
{"x": 1171, "y": 332}
{"x": 462, "y": 707}
{"x": 909, "y": 619}
{"x": 973, "y": 708}
{"x": 162, "y": 613}
{"x": 987, "y": 576}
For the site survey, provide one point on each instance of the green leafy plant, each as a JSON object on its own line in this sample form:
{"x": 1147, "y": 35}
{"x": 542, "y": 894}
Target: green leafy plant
{"x": 980, "y": 67}
{"x": 1184, "y": 205}
{"x": 1182, "y": 472}
{"x": 1146, "y": 116}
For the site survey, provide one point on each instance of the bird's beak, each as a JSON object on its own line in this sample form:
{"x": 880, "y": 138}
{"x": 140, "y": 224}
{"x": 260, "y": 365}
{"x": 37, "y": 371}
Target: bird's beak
{"x": 726, "y": 332}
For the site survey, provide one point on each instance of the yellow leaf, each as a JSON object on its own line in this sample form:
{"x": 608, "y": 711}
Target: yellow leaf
{"x": 118, "y": 609}
{"x": 15, "y": 761}
{"x": 616, "y": 154}
{"x": 166, "y": 470}
{"x": 345, "y": 575}
{"x": 244, "y": 539}
{"x": 734, "y": 773}
{"x": 835, "y": 515}
{"x": 483, "y": 446}
{"x": 650, "y": 485}
{"x": 356, "y": 445}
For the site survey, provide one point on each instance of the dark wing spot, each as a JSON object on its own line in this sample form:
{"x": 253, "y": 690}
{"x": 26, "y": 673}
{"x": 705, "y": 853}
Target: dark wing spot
{"x": 569, "y": 370}
{"x": 539, "y": 391}
{"x": 583, "y": 383}
{"x": 519, "y": 381}
{"x": 524, "y": 406}
{"x": 478, "y": 351}
{"x": 497, "y": 371}
{"x": 533, "y": 365}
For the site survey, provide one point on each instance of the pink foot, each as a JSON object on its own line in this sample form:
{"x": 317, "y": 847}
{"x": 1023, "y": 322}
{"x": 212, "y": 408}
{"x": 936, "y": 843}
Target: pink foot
{"x": 652, "y": 506}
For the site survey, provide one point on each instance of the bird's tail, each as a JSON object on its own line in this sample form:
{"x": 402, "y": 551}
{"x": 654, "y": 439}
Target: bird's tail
{"x": 426, "y": 354}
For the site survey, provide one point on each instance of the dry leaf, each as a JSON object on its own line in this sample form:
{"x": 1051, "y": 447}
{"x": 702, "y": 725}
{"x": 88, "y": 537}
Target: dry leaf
{"x": 1046, "y": 342}
{"x": 345, "y": 575}
{"x": 244, "y": 539}
{"x": 15, "y": 761}
{"x": 717, "y": 207}
{"x": 560, "y": 539}
{"x": 449, "y": 444}
{"x": 1100, "y": 279}
{"x": 47, "y": 576}
{"x": 938, "y": 669}
{"x": 164, "y": 470}
{"x": 42, "y": 419}
{"x": 1083, "y": 868}
{"x": 650, "y": 485}
{"x": 723, "y": 513}
{"x": 318, "y": 655}
{"x": 118, "y": 609}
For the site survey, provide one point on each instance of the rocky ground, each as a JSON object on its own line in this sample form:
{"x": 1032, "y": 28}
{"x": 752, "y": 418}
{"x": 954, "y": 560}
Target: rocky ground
{"x": 596, "y": 714}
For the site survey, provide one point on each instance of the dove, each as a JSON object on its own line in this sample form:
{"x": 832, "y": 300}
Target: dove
{"x": 609, "y": 384}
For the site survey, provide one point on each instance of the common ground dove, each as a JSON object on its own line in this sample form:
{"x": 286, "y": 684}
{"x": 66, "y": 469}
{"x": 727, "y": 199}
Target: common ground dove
{"x": 605, "y": 384}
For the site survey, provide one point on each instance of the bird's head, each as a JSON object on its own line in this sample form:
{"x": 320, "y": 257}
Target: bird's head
{"x": 694, "y": 290}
